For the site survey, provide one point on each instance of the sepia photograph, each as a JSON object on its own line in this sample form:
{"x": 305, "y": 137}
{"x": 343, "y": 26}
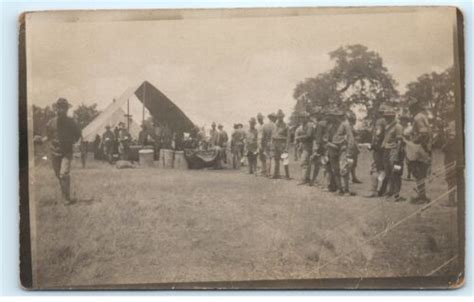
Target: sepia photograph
{"x": 259, "y": 148}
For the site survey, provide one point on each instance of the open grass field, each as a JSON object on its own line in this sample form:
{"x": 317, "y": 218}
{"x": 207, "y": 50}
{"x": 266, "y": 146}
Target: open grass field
{"x": 164, "y": 225}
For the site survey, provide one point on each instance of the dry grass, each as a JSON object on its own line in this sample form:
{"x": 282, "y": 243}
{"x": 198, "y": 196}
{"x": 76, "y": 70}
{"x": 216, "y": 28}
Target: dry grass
{"x": 160, "y": 225}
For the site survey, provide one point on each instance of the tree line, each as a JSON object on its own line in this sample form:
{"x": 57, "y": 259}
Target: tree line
{"x": 359, "y": 77}
{"x": 83, "y": 115}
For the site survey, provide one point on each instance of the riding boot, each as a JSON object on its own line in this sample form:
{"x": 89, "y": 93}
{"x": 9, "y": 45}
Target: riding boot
{"x": 345, "y": 179}
{"x": 338, "y": 184}
{"x": 66, "y": 188}
{"x": 314, "y": 176}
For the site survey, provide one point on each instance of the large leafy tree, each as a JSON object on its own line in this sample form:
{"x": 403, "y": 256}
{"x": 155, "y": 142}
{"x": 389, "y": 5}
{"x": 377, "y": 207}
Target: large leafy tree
{"x": 85, "y": 114}
{"x": 358, "y": 77}
{"x": 435, "y": 90}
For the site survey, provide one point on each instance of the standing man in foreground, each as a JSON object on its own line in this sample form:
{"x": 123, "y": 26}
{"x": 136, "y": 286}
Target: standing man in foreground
{"x": 280, "y": 144}
{"x": 62, "y": 132}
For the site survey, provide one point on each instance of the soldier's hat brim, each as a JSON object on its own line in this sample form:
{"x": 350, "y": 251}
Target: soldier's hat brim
{"x": 272, "y": 115}
{"x": 389, "y": 113}
{"x": 62, "y": 102}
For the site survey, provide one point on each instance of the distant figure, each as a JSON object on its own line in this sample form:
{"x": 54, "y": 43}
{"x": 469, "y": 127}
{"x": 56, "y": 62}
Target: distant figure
{"x": 143, "y": 136}
{"x": 108, "y": 144}
{"x": 213, "y": 135}
{"x": 261, "y": 154}
{"x": 62, "y": 132}
{"x": 393, "y": 155}
{"x": 251, "y": 146}
{"x": 340, "y": 145}
{"x": 166, "y": 137}
{"x": 124, "y": 140}
{"x": 237, "y": 145}
{"x": 265, "y": 144}
{"x": 202, "y": 139}
{"x": 304, "y": 136}
{"x": 96, "y": 147}
{"x": 319, "y": 144}
{"x": 407, "y": 131}
{"x": 280, "y": 144}
{"x": 222, "y": 142}
{"x": 83, "y": 150}
{"x": 116, "y": 136}
{"x": 419, "y": 150}
{"x": 377, "y": 170}
{"x": 351, "y": 117}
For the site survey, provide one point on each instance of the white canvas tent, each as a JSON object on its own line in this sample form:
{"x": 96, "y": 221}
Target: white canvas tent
{"x": 115, "y": 113}
{"x": 139, "y": 103}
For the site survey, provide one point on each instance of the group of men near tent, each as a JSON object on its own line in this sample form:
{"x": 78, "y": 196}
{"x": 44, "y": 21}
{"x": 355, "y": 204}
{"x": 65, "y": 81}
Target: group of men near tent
{"x": 119, "y": 141}
{"x": 112, "y": 142}
{"x": 325, "y": 139}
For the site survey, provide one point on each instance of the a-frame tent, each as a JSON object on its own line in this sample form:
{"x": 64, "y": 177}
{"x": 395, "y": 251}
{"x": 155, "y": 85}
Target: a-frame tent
{"x": 138, "y": 104}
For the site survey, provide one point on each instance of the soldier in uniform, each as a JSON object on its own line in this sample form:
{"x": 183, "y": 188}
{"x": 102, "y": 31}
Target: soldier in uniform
{"x": 419, "y": 149}
{"x": 407, "y": 131}
{"x": 280, "y": 144}
{"x": 222, "y": 142}
{"x": 393, "y": 154}
{"x": 143, "y": 136}
{"x": 237, "y": 145}
{"x": 213, "y": 135}
{"x": 62, "y": 132}
{"x": 351, "y": 117}
{"x": 108, "y": 144}
{"x": 319, "y": 143}
{"x": 265, "y": 144}
{"x": 340, "y": 145}
{"x": 261, "y": 155}
{"x": 124, "y": 140}
{"x": 251, "y": 146}
{"x": 377, "y": 170}
{"x": 304, "y": 136}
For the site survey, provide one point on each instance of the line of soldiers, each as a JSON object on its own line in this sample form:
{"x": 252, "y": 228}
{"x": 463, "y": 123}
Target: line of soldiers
{"x": 326, "y": 140}
{"x": 267, "y": 142}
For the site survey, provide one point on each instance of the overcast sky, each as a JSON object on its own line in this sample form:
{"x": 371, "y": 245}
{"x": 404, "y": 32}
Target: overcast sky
{"x": 224, "y": 70}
